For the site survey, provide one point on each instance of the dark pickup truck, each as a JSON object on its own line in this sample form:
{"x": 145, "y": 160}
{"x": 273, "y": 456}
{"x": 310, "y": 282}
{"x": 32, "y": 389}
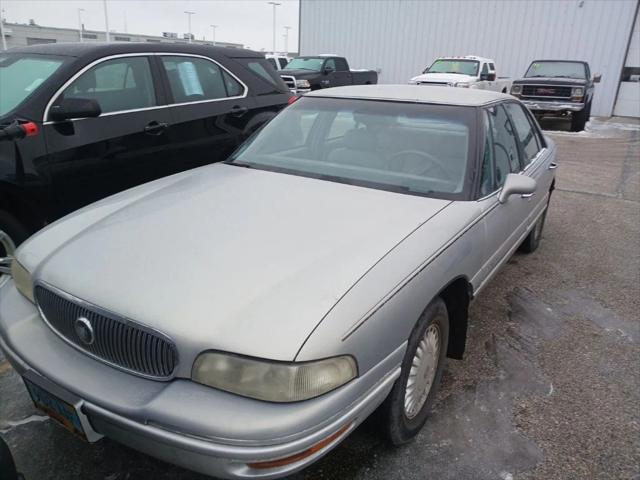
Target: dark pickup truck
{"x": 303, "y": 74}
{"x": 558, "y": 88}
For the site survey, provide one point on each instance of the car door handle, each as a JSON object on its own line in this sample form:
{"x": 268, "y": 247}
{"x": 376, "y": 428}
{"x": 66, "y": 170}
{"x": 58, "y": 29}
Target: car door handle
{"x": 238, "y": 110}
{"x": 155, "y": 128}
{"x": 527, "y": 195}
{"x": 553, "y": 166}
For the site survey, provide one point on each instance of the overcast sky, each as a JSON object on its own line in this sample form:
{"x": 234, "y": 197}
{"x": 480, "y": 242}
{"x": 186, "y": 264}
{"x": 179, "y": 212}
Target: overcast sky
{"x": 241, "y": 21}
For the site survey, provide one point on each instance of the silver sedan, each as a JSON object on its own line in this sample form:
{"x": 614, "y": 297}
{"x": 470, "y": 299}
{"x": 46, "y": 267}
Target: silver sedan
{"x": 241, "y": 319}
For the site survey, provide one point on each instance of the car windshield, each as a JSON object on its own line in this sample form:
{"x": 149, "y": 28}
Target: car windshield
{"x": 313, "y": 64}
{"x": 557, "y": 69}
{"x": 409, "y": 148}
{"x": 21, "y": 75}
{"x": 465, "y": 67}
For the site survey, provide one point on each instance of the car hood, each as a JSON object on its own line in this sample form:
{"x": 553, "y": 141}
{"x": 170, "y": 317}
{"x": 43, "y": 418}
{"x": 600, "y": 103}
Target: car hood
{"x": 224, "y": 257}
{"x": 551, "y": 81}
{"x": 443, "y": 77}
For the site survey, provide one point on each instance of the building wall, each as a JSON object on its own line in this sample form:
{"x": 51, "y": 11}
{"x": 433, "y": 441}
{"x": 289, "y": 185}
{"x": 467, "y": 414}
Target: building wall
{"x": 19, "y": 35}
{"x": 628, "y": 101}
{"x": 402, "y": 37}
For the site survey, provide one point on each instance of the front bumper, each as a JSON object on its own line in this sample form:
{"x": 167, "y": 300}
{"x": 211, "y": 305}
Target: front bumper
{"x": 181, "y": 422}
{"x": 549, "y": 106}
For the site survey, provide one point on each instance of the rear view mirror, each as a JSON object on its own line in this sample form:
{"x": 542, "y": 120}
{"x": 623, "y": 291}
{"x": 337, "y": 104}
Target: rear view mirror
{"x": 597, "y": 77}
{"x": 75, "y": 108}
{"x": 517, "y": 184}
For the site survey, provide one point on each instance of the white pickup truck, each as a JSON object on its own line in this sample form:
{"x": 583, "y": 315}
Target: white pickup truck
{"x": 466, "y": 72}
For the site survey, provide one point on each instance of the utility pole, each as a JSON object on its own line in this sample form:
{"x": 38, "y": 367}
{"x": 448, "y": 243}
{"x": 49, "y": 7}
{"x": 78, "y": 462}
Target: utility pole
{"x": 189, "y": 17}
{"x": 286, "y": 39}
{"x": 80, "y": 28}
{"x": 4, "y": 40}
{"x": 275, "y": 4}
{"x": 213, "y": 27}
{"x": 106, "y": 21}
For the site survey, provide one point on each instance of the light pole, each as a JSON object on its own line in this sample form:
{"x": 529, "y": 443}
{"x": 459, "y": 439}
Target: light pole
{"x": 213, "y": 28}
{"x": 286, "y": 39}
{"x": 275, "y": 4}
{"x": 4, "y": 40}
{"x": 189, "y": 17}
{"x": 106, "y": 21}
{"x": 80, "y": 10}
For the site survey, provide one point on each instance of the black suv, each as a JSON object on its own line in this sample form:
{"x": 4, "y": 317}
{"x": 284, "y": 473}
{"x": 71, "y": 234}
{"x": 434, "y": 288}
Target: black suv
{"x": 558, "y": 88}
{"x": 84, "y": 121}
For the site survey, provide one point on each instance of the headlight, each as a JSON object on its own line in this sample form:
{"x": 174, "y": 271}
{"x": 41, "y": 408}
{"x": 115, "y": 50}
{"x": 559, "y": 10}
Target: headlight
{"x": 303, "y": 84}
{"x": 22, "y": 279}
{"x": 516, "y": 89}
{"x": 461, "y": 84}
{"x": 577, "y": 92}
{"x": 273, "y": 381}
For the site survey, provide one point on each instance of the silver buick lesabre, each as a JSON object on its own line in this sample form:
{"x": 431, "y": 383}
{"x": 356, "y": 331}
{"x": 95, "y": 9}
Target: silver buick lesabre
{"x": 241, "y": 319}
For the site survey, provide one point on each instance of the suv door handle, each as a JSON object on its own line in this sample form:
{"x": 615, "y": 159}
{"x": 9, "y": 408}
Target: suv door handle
{"x": 155, "y": 128}
{"x": 553, "y": 166}
{"x": 238, "y": 110}
{"x": 527, "y": 195}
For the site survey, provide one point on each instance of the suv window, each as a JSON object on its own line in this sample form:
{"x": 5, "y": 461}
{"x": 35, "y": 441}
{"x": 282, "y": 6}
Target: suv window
{"x": 526, "y": 131}
{"x": 341, "y": 65}
{"x": 193, "y": 79}
{"x": 505, "y": 146}
{"x": 117, "y": 85}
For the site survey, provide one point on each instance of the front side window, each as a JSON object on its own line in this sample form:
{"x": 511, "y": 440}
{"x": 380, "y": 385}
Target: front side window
{"x": 407, "y": 148}
{"x": 464, "y": 67}
{"x": 505, "y": 145}
{"x": 331, "y": 63}
{"x": 525, "y": 130}
{"x": 194, "y": 79}
{"x": 485, "y": 69}
{"x": 557, "y": 69}
{"x": 117, "y": 85}
{"x": 21, "y": 75}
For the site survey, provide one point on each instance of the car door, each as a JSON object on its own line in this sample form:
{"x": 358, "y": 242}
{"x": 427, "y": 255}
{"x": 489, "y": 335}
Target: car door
{"x": 210, "y": 108}
{"x": 126, "y": 145}
{"x": 342, "y": 73}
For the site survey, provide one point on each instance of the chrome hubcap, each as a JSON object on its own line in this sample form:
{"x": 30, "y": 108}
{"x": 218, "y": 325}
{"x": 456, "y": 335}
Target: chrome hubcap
{"x": 423, "y": 371}
{"x": 7, "y": 247}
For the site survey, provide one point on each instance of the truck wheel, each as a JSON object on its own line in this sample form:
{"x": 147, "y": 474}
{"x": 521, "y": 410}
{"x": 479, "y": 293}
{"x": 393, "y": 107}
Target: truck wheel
{"x": 409, "y": 403}
{"x": 12, "y": 234}
{"x": 579, "y": 120}
{"x": 589, "y": 111}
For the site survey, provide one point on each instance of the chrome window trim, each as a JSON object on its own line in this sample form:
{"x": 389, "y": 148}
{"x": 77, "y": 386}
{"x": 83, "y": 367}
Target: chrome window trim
{"x": 110, "y": 314}
{"x": 55, "y": 96}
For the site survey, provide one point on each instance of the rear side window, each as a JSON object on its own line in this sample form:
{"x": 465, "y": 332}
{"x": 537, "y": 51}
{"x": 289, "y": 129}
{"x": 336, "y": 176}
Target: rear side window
{"x": 194, "y": 79}
{"x": 525, "y": 130}
{"x": 234, "y": 88}
{"x": 341, "y": 65}
{"x": 117, "y": 85}
{"x": 492, "y": 67}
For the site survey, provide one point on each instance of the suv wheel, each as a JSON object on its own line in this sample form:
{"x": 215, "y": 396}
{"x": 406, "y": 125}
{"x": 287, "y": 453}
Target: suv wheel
{"x": 409, "y": 403}
{"x": 12, "y": 234}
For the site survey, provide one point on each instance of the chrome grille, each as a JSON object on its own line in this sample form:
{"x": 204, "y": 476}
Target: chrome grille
{"x": 546, "y": 91}
{"x": 446, "y": 84}
{"x": 289, "y": 81}
{"x": 118, "y": 342}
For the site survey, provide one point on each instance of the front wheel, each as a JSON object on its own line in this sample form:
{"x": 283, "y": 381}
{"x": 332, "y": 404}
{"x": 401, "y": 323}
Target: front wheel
{"x": 579, "y": 120}
{"x": 12, "y": 234}
{"x": 409, "y": 403}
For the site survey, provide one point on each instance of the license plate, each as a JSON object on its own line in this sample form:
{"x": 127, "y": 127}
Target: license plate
{"x": 61, "y": 411}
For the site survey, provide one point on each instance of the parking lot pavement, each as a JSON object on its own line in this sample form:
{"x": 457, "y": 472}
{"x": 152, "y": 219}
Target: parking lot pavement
{"x": 550, "y": 384}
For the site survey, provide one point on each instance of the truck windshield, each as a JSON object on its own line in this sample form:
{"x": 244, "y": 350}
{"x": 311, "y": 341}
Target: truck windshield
{"x": 465, "y": 67}
{"x": 415, "y": 149}
{"x": 557, "y": 69}
{"x": 21, "y": 75}
{"x": 312, "y": 64}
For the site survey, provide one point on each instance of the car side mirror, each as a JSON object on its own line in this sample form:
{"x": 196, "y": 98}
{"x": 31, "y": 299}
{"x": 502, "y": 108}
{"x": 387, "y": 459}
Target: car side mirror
{"x": 75, "y": 108}
{"x": 490, "y": 77}
{"x": 327, "y": 70}
{"x": 516, "y": 184}
{"x": 597, "y": 77}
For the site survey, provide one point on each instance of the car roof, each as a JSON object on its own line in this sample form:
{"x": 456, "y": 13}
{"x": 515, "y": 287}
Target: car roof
{"x": 104, "y": 49}
{"x": 415, "y": 93}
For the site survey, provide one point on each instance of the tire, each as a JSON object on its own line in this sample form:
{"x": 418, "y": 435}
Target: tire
{"x": 12, "y": 234}
{"x": 532, "y": 241}
{"x": 7, "y": 467}
{"x": 579, "y": 120}
{"x": 589, "y": 111}
{"x": 403, "y": 422}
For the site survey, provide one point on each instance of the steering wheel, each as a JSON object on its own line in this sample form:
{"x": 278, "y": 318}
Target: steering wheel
{"x": 434, "y": 163}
